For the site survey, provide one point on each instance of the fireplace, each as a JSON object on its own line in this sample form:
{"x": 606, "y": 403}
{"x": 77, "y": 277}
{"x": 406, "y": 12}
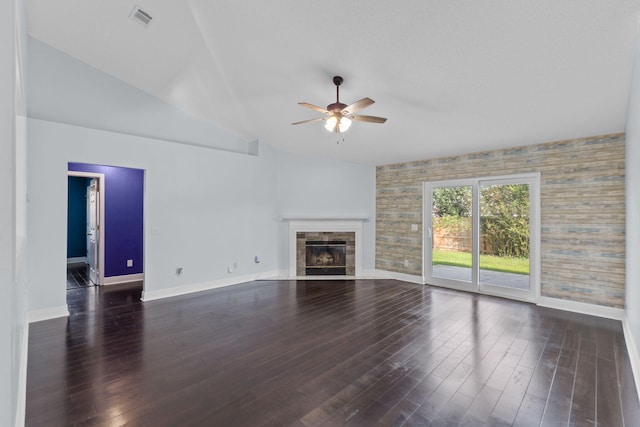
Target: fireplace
{"x": 326, "y": 258}
{"x": 325, "y": 253}
{"x": 325, "y": 233}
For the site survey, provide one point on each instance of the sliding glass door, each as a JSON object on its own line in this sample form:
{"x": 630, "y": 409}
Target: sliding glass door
{"x": 482, "y": 235}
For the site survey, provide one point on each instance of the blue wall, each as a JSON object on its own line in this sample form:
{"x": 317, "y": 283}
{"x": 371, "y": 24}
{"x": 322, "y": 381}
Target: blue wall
{"x": 77, "y": 217}
{"x": 123, "y": 211}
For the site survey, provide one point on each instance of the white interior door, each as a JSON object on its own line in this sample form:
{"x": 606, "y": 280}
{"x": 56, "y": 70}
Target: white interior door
{"x": 93, "y": 231}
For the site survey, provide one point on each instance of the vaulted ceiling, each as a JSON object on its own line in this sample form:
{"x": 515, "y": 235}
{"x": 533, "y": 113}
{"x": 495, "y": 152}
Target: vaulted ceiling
{"x": 451, "y": 76}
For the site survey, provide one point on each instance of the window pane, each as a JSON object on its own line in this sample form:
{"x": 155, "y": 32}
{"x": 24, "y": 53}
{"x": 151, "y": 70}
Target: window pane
{"x": 504, "y": 235}
{"x": 452, "y": 232}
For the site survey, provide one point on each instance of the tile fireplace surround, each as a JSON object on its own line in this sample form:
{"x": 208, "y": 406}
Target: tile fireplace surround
{"x": 344, "y": 239}
{"x": 322, "y": 225}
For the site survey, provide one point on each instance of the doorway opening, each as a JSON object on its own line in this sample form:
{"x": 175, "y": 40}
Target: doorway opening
{"x": 114, "y": 236}
{"x": 482, "y": 235}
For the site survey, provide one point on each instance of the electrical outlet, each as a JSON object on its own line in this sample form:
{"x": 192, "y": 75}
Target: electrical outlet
{"x": 233, "y": 267}
{"x": 414, "y": 227}
{"x": 129, "y": 263}
{"x": 406, "y": 263}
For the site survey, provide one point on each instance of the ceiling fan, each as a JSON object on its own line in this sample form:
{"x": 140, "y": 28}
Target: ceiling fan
{"x": 338, "y": 115}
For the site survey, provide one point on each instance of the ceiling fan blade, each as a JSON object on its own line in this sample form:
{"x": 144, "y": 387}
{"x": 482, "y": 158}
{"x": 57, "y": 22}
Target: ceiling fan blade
{"x": 370, "y": 119}
{"x": 310, "y": 121}
{"x": 357, "y": 106}
{"x": 314, "y": 107}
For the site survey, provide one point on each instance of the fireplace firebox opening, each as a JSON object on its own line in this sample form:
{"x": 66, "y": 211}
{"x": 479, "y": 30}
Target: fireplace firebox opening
{"x": 326, "y": 258}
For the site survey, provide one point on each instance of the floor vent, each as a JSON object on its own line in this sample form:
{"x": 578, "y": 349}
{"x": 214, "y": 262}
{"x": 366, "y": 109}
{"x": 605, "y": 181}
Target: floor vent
{"x": 140, "y": 16}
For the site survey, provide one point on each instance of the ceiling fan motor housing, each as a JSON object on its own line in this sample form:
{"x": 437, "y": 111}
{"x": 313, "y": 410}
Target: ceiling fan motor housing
{"x": 336, "y": 107}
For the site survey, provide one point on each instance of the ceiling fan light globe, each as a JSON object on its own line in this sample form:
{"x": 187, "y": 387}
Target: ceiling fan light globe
{"x": 344, "y": 125}
{"x": 331, "y": 123}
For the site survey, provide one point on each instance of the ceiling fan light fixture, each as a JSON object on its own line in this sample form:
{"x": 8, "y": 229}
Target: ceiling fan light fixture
{"x": 343, "y": 124}
{"x": 338, "y": 115}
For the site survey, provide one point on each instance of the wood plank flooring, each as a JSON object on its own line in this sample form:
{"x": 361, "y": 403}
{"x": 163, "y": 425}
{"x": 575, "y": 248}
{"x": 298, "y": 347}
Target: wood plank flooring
{"x": 325, "y": 353}
{"x": 78, "y": 276}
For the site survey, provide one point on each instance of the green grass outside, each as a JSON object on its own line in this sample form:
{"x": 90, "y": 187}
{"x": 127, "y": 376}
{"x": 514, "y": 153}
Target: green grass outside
{"x": 487, "y": 262}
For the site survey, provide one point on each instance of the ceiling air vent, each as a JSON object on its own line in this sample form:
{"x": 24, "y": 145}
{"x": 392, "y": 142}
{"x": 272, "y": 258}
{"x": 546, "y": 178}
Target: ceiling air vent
{"x": 140, "y": 16}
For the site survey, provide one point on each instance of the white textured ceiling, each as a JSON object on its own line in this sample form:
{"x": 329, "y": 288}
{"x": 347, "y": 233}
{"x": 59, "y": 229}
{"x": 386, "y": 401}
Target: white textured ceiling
{"x": 451, "y": 76}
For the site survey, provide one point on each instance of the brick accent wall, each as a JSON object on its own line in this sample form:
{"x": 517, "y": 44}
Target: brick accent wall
{"x": 582, "y": 212}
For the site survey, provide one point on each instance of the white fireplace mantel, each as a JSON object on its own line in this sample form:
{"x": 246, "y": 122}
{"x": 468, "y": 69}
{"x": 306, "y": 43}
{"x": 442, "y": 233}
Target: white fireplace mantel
{"x": 302, "y": 225}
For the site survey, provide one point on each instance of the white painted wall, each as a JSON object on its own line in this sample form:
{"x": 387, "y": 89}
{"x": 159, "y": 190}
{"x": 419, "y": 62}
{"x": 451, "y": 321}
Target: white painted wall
{"x": 310, "y": 187}
{"x": 211, "y": 208}
{"x": 632, "y": 157}
{"x": 7, "y": 180}
{"x": 13, "y": 330}
{"x": 65, "y": 90}
{"x": 204, "y": 209}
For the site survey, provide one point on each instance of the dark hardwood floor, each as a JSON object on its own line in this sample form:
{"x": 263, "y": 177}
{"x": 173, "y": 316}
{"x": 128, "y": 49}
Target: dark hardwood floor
{"x": 78, "y": 276}
{"x": 316, "y": 353}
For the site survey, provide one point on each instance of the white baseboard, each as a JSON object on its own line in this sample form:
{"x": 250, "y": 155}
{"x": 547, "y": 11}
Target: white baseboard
{"x": 47, "y": 313}
{"x": 22, "y": 380}
{"x": 633, "y": 350}
{"x": 284, "y": 275}
{"x": 114, "y": 280}
{"x": 77, "y": 260}
{"x": 150, "y": 295}
{"x": 275, "y": 275}
{"x": 560, "y": 304}
{"x": 399, "y": 276}
{"x": 581, "y": 307}
{"x": 371, "y": 273}
{"x": 332, "y": 277}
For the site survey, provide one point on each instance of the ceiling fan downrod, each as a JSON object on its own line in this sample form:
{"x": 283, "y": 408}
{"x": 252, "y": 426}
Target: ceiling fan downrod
{"x": 337, "y": 106}
{"x": 337, "y": 80}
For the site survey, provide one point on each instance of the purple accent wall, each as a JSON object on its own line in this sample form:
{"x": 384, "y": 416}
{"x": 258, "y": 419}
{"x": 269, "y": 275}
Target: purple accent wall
{"x": 123, "y": 212}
